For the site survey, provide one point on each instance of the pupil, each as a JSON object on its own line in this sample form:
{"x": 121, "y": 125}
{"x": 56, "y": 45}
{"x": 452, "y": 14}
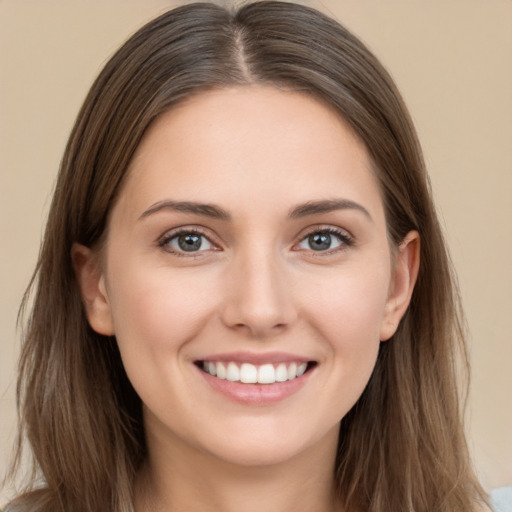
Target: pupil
{"x": 320, "y": 241}
{"x": 189, "y": 242}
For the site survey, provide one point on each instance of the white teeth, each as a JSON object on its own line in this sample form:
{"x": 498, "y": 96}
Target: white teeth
{"x": 212, "y": 370}
{"x": 281, "y": 373}
{"x": 221, "y": 370}
{"x": 292, "y": 371}
{"x": 232, "y": 373}
{"x": 248, "y": 373}
{"x": 266, "y": 374}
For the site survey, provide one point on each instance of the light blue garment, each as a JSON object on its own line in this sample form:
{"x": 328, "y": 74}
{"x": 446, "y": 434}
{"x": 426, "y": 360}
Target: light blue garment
{"x": 501, "y": 499}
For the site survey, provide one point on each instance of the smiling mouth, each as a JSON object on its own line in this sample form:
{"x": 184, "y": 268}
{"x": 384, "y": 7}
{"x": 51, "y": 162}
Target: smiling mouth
{"x": 248, "y": 373}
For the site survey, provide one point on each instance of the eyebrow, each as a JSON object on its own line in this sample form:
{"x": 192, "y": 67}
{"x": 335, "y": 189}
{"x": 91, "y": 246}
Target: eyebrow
{"x": 207, "y": 210}
{"x": 326, "y": 206}
{"x": 216, "y": 212}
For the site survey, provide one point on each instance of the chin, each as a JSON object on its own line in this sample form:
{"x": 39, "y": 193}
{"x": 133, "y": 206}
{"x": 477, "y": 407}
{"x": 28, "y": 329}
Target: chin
{"x": 259, "y": 455}
{"x": 262, "y": 448}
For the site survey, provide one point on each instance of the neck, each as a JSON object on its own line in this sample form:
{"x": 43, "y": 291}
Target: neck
{"x": 178, "y": 478}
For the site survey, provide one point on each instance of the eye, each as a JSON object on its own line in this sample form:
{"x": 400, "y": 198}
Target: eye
{"x": 324, "y": 240}
{"x": 187, "y": 242}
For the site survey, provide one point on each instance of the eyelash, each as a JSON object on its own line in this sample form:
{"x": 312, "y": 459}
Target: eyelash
{"x": 344, "y": 238}
{"x": 169, "y": 237}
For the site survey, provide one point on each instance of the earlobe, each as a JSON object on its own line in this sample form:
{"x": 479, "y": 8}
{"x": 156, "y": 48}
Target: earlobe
{"x": 404, "y": 275}
{"x": 91, "y": 282}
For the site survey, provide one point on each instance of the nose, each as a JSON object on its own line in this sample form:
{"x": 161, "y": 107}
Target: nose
{"x": 258, "y": 298}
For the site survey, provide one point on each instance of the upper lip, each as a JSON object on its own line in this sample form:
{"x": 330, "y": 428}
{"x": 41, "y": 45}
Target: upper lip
{"x": 256, "y": 358}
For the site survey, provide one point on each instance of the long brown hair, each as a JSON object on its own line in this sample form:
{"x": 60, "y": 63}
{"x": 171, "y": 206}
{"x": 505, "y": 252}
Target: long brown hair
{"x": 402, "y": 446}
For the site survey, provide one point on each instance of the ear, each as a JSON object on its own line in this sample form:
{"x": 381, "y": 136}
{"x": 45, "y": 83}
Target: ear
{"x": 403, "y": 279}
{"x": 91, "y": 282}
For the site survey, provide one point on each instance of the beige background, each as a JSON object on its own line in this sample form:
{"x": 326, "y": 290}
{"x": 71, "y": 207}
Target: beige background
{"x": 453, "y": 62}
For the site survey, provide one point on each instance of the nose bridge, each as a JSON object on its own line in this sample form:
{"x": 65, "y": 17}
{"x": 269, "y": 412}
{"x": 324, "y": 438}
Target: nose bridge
{"x": 259, "y": 298}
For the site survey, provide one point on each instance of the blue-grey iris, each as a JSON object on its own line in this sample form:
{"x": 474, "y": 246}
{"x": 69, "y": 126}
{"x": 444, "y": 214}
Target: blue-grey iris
{"x": 319, "y": 241}
{"x": 190, "y": 242}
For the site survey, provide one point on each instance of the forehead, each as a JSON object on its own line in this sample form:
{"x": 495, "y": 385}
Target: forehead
{"x": 250, "y": 140}
{"x": 257, "y": 114}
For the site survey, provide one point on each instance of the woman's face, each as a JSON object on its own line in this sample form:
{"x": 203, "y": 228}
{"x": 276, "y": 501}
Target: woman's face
{"x": 249, "y": 244}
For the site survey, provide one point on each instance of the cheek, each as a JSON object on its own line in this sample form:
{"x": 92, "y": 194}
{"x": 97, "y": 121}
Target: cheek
{"x": 347, "y": 314}
{"x": 157, "y": 309}
{"x": 156, "y": 313}
{"x": 349, "y": 307}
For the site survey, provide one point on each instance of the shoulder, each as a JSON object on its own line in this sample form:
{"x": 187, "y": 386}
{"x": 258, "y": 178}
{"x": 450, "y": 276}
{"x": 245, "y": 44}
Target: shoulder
{"x": 501, "y": 499}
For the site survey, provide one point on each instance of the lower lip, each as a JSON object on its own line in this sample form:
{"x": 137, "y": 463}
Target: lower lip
{"x": 256, "y": 394}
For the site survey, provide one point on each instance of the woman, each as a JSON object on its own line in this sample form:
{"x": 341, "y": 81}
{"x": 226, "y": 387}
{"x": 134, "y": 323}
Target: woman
{"x": 243, "y": 297}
